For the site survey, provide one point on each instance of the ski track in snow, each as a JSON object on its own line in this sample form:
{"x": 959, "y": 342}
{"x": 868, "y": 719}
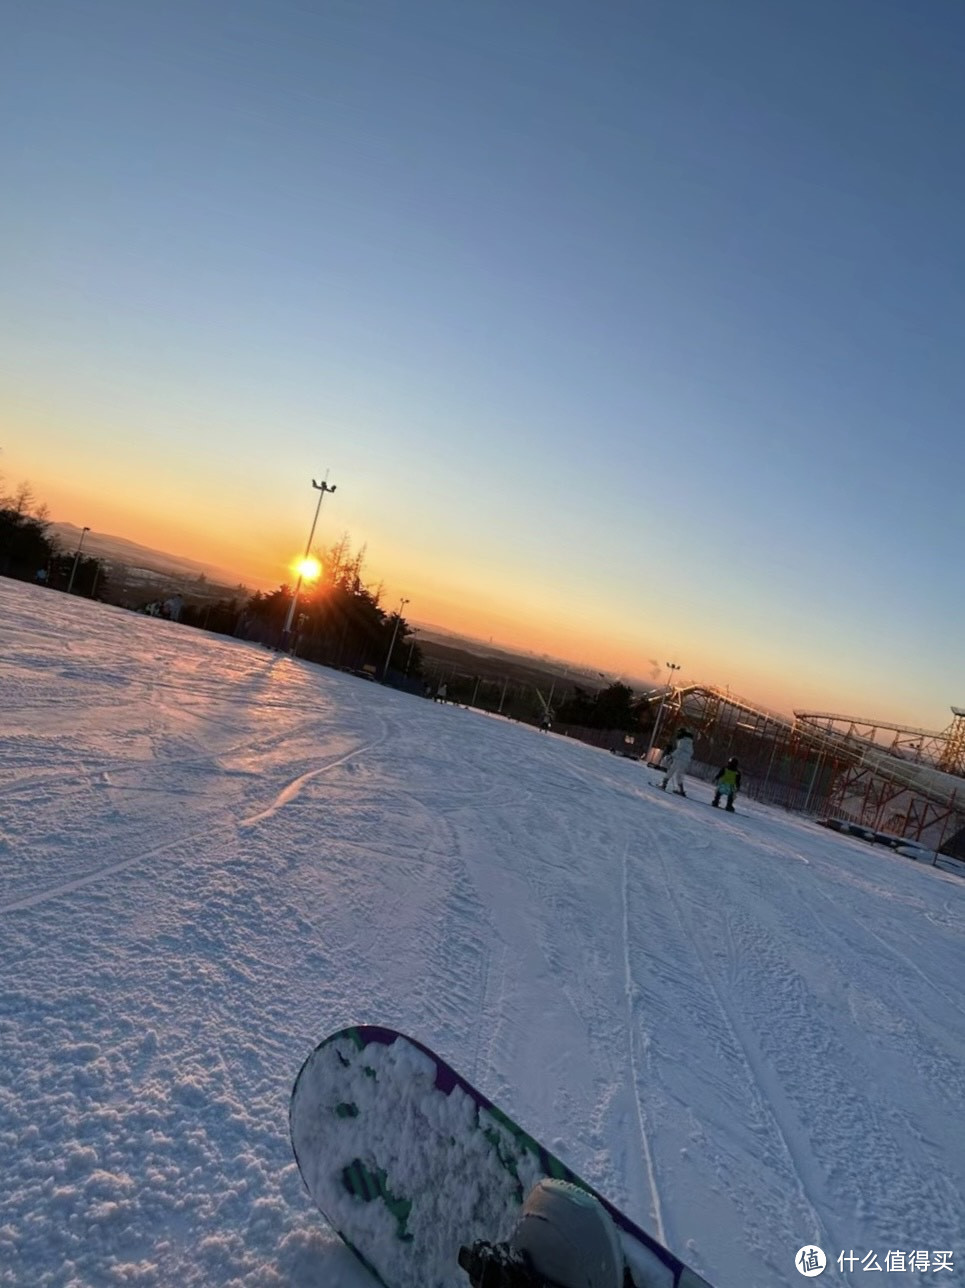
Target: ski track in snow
{"x": 294, "y": 788}
{"x": 112, "y": 869}
{"x": 746, "y": 1031}
{"x": 765, "y": 1092}
{"x": 634, "y": 1072}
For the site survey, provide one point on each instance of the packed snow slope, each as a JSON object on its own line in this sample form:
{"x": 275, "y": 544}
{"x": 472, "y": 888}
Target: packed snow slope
{"x": 748, "y": 1032}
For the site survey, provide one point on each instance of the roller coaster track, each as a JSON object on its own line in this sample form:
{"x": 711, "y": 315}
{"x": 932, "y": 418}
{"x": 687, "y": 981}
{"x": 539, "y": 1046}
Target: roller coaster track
{"x": 929, "y": 762}
{"x": 941, "y": 750}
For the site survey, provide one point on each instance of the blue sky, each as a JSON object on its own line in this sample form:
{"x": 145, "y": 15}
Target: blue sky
{"x": 626, "y": 331}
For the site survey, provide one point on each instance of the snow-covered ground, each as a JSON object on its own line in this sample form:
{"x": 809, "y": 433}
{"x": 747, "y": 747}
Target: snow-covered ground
{"x": 748, "y": 1032}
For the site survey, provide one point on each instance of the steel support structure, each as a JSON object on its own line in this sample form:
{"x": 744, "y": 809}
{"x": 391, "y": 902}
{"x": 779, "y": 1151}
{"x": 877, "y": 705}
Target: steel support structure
{"x": 882, "y": 775}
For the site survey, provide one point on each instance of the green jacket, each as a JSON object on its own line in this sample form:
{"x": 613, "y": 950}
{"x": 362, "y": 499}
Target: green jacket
{"x": 729, "y": 778}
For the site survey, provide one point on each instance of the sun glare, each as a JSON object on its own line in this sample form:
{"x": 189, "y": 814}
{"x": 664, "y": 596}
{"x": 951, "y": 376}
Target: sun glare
{"x": 308, "y": 569}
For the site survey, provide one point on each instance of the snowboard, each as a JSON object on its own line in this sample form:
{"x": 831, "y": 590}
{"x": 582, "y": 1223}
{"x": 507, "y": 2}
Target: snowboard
{"x": 408, "y": 1163}
{"x": 723, "y": 809}
{"x": 660, "y": 788}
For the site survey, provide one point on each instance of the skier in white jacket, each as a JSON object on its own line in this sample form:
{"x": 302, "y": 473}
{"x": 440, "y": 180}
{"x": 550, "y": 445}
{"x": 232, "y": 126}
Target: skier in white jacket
{"x": 682, "y": 755}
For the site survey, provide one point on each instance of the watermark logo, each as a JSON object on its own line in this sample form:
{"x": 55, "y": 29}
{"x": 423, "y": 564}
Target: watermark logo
{"x": 810, "y": 1261}
{"x": 896, "y": 1259}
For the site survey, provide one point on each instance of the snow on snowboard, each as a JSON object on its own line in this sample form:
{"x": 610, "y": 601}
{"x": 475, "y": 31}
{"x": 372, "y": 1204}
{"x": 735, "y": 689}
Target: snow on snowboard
{"x": 409, "y": 1163}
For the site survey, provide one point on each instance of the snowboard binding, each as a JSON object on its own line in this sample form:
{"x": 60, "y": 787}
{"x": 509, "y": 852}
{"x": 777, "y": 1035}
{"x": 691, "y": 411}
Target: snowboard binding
{"x": 495, "y": 1265}
{"x": 563, "y": 1239}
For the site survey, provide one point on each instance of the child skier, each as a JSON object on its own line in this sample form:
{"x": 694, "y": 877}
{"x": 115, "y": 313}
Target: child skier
{"x": 728, "y": 782}
{"x": 683, "y": 754}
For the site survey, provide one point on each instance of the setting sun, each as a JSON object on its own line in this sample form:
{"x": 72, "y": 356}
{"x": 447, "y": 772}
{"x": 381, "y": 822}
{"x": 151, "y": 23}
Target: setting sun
{"x": 308, "y": 569}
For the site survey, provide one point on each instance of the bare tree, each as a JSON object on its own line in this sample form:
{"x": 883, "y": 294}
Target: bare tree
{"x": 24, "y": 499}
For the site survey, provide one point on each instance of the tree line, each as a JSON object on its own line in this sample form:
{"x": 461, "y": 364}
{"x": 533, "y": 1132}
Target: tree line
{"x": 339, "y": 620}
{"x": 29, "y": 553}
{"x": 616, "y": 707}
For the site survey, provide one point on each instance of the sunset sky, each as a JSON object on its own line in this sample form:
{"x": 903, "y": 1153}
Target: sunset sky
{"x": 626, "y": 331}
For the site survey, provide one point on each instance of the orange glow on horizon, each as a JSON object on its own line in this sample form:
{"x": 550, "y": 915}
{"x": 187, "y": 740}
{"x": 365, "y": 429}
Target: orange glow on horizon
{"x": 442, "y": 589}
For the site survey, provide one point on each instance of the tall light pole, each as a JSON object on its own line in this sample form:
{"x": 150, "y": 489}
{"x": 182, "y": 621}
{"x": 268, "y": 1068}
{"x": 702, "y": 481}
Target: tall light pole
{"x": 321, "y": 488}
{"x": 73, "y": 571}
{"x": 671, "y": 666}
{"x": 395, "y": 631}
{"x": 408, "y": 660}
